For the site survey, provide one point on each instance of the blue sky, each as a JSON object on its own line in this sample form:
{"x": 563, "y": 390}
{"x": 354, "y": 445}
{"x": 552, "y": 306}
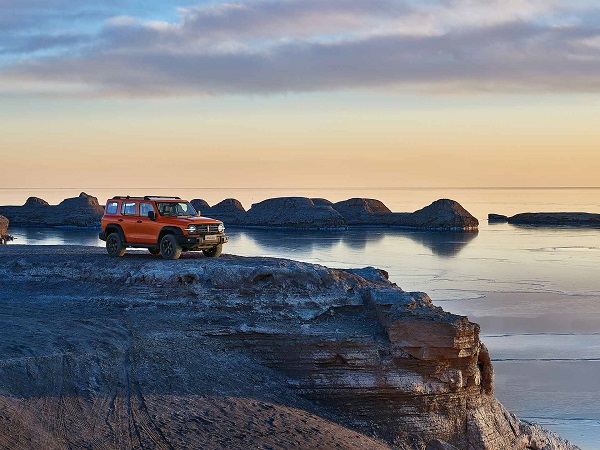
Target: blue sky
{"x": 169, "y": 48}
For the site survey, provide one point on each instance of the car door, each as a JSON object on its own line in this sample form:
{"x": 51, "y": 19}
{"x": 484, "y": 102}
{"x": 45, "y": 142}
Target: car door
{"x": 147, "y": 229}
{"x": 128, "y": 220}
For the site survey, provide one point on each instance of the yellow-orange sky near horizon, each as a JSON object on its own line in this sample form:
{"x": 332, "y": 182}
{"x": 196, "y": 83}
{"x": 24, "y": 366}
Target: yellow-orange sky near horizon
{"x": 303, "y": 141}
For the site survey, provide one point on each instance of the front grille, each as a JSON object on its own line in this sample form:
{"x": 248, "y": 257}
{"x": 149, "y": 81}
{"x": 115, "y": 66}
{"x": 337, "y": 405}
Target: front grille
{"x": 211, "y": 228}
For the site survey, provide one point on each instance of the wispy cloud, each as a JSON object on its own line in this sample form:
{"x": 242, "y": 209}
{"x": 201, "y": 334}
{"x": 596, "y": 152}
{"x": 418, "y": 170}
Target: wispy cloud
{"x": 271, "y": 46}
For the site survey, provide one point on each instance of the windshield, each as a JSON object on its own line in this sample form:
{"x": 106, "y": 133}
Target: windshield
{"x": 176, "y": 209}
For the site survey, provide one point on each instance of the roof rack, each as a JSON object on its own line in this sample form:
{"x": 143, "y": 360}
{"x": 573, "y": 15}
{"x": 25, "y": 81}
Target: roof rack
{"x": 127, "y": 197}
{"x": 147, "y": 197}
{"x": 160, "y": 197}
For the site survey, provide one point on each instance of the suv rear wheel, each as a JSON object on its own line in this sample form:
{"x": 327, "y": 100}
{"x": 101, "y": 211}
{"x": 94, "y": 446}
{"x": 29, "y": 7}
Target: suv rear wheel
{"x": 213, "y": 252}
{"x": 114, "y": 245}
{"x": 169, "y": 248}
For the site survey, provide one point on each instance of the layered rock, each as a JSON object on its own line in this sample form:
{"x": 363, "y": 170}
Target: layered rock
{"x": 293, "y": 212}
{"x": 81, "y": 211}
{"x": 238, "y": 350}
{"x": 549, "y": 218}
{"x": 3, "y": 226}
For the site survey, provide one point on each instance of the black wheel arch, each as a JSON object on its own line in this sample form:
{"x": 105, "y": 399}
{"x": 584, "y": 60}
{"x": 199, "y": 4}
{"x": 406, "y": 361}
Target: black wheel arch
{"x": 113, "y": 228}
{"x": 168, "y": 230}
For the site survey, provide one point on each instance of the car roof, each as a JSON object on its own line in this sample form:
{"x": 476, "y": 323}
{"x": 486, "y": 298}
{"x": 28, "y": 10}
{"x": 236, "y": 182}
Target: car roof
{"x": 147, "y": 197}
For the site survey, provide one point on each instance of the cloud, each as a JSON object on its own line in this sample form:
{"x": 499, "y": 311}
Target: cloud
{"x": 273, "y": 46}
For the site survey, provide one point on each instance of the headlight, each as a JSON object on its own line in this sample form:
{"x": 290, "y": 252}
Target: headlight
{"x": 191, "y": 229}
{"x": 221, "y": 228}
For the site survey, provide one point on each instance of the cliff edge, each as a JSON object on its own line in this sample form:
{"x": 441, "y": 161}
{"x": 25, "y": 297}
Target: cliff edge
{"x": 205, "y": 353}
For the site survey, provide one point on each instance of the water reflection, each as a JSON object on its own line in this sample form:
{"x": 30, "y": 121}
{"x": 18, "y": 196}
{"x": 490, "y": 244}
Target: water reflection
{"x": 287, "y": 242}
{"x": 445, "y": 244}
{"x": 55, "y": 236}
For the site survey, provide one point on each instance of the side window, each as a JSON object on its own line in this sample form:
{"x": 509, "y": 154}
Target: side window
{"x": 111, "y": 207}
{"x": 145, "y": 208}
{"x": 128, "y": 208}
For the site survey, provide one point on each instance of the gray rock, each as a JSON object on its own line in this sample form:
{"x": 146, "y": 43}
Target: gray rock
{"x": 321, "y": 202}
{"x": 556, "y": 218}
{"x": 442, "y": 214}
{"x": 200, "y": 205}
{"x": 293, "y": 212}
{"x": 230, "y": 211}
{"x": 212, "y": 353}
{"x": 436, "y": 444}
{"x": 497, "y": 218}
{"x": 36, "y": 201}
{"x": 362, "y": 211}
{"x": 81, "y": 211}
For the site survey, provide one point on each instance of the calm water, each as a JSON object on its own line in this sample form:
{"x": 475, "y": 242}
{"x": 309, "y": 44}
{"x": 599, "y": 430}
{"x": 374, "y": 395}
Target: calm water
{"x": 535, "y": 291}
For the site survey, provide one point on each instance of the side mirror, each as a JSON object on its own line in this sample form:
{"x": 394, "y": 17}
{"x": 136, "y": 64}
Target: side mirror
{"x": 151, "y": 215}
{"x": 199, "y": 213}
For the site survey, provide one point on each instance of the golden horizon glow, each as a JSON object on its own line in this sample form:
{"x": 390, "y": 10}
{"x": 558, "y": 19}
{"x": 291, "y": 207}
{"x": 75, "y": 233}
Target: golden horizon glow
{"x": 305, "y": 143}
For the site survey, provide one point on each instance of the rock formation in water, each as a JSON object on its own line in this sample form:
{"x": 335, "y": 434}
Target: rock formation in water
{"x": 82, "y": 211}
{"x": 283, "y": 212}
{"x": 499, "y": 218}
{"x": 549, "y": 218}
{"x": 230, "y": 211}
{"x": 319, "y": 213}
{"x": 212, "y": 353}
{"x": 293, "y": 212}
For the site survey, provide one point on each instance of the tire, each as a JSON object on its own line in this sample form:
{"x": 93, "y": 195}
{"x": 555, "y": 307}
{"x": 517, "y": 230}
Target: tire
{"x": 114, "y": 245}
{"x": 213, "y": 252}
{"x": 169, "y": 248}
{"x": 154, "y": 251}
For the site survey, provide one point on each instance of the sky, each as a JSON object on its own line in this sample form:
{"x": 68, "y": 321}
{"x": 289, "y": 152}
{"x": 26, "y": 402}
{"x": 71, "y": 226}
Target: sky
{"x": 299, "y": 93}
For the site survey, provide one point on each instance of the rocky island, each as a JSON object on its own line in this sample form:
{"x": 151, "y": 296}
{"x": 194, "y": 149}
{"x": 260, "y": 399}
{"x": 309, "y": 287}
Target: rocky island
{"x": 549, "y": 218}
{"x": 81, "y": 211}
{"x": 215, "y": 354}
{"x": 283, "y": 212}
{"x": 319, "y": 213}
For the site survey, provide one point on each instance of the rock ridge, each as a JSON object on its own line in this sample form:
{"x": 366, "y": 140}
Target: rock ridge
{"x": 319, "y": 213}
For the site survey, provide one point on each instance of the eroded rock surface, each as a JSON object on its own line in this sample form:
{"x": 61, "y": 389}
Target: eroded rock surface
{"x": 81, "y": 211}
{"x": 205, "y": 353}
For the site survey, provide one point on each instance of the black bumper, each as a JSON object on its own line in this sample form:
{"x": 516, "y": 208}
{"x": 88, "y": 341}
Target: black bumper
{"x": 102, "y": 236}
{"x": 200, "y": 241}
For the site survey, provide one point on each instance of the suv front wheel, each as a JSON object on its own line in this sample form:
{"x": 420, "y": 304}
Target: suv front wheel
{"x": 169, "y": 248}
{"x": 114, "y": 245}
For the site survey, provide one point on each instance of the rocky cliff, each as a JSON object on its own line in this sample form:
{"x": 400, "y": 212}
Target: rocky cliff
{"x": 206, "y": 353}
{"x": 81, "y": 211}
{"x": 549, "y": 218}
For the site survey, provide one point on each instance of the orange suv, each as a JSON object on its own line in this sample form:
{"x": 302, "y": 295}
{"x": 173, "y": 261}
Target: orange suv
{"x": 166, "y": 226}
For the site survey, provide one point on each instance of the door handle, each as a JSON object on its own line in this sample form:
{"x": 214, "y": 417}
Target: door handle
{"x": 139, "y": 221}
{"x": 120, "y": 220}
